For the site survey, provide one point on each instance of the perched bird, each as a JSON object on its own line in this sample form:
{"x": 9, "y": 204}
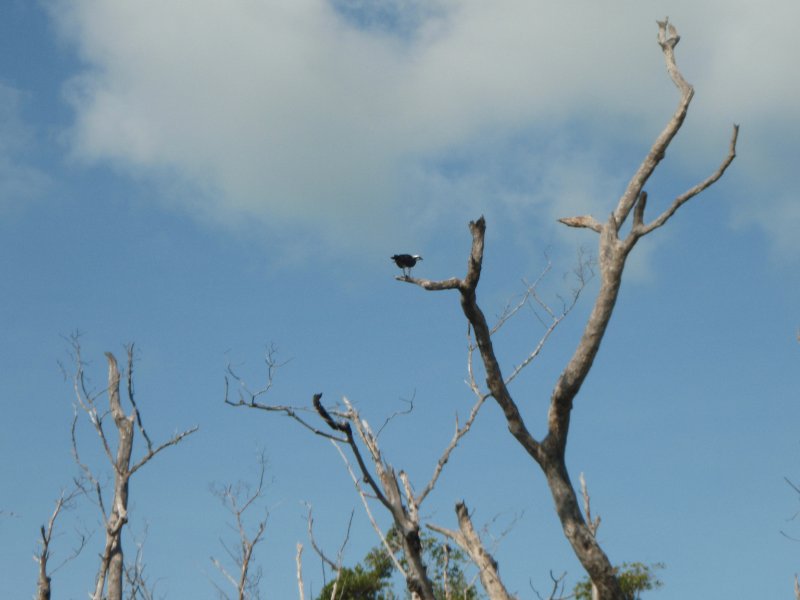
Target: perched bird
{"x": 406, "y": 262}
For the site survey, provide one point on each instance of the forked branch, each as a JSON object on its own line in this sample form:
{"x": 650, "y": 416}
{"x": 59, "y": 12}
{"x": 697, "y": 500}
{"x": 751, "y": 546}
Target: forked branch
{"x": 65, "y": 501}
{"x": 613, "y": 252}
{"x": 483, "y": 335}
{"x": 694, "y": 190}
{"x": 111, "y": 572}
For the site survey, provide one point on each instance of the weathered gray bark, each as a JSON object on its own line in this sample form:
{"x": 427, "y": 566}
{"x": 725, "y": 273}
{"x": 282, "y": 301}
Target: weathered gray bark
{"x": 372, "y": 475}
{"x": 549, "y": 453}
{"x": 402, "y": 507}
{"x": 469, "y": 541}
{"x": 43, "y": 586}
{"x": 111, "y": 572}
{"x": 346, "y": 428}
{"x": 43, "y": 582}
{"x": 112, "y": 561}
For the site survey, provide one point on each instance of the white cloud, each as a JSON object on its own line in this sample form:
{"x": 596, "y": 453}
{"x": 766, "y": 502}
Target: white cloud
{"x": 19, "y": 181}
{"x": 294, "y": 112}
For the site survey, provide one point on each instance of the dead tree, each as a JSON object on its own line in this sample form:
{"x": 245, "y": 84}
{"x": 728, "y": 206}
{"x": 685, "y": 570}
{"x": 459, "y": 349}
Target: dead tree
{"x": 43, "y": 585}
{"x": 376, "y": 478}
{"x": 390, "y": 488}
{"x": 238, "y": 499}
{"x": 614, "y": 247}
{"x": 372, "y": 475}
{"x": 111, "y": 572}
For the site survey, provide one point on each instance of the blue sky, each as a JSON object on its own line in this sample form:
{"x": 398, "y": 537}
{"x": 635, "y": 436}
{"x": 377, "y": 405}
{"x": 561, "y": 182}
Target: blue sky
{"x": 206, "y": 179}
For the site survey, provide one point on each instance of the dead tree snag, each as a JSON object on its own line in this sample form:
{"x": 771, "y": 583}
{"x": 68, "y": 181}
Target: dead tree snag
{"x": 614, "y": 248}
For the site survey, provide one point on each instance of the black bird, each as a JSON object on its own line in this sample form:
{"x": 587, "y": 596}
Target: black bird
{"x": 406, "y": 262}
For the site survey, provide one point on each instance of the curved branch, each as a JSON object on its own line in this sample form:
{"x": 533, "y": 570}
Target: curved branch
{"x": 692, "y": 192}
{"x": 667, "y": 39}
{"x": 494, "y": 376}
{"x": 483, "y": 336}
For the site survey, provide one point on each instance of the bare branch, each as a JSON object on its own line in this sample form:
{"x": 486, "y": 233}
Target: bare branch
{"x": 220, "y": 567}
{"x": 469, "y": 541}
{"x": 411, "y": 503}
{"x": 554, "y": 323}
{"x": 667, "y": 39}
{"x": 496, "y": 538}
{"x": 372, "y": 446}
{"x": 398, "y": 413}
{"x": 176, "y": 439}
{"x": 557, "y": 593}
{"x": 367, "y": 509}
{"x": 613, "y": 254}
{"x": 494, "y": 376}
{"x": 138, "y": 586}
{"x": 272, "y": 365}
{"x": 384, "y": 485}
{"x": 299, "y": 561}
{"x": 132, "y": 400}
{"x": 237, "y": 499}
{"x": 248, "y": 399}
{"x": 112, "y": 572}
{"x": 336, "y": 566}
{"x": 692, "y": 192}
{"x": 594, "y": 524}
{"x": 471, "y": 382}
{"x": 86, "y": 400}
{"x": 434, "y": 286}
{"x": 459, "y": 433}
{"x": 584, "y": 221}
{"x": 64, "y": 501}
{"x": 87, "y": 472}
{"x": 530, "y": 292}
{"x": 550, "y": 452}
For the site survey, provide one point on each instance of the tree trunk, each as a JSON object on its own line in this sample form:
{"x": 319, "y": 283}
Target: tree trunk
{"x": 579, "y": 534}
{"x": 43, "y": 587}
{"x": 417, "y": 580}
{"x": 111, "y": 572}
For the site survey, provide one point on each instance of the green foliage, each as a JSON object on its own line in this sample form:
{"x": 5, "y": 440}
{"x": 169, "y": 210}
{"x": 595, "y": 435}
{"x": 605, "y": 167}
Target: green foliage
{"x": 634, "y": 578}
{"x": 359, "y": 583}
{"x": 371, "y": 579}
{"x": 368, "y": 581}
